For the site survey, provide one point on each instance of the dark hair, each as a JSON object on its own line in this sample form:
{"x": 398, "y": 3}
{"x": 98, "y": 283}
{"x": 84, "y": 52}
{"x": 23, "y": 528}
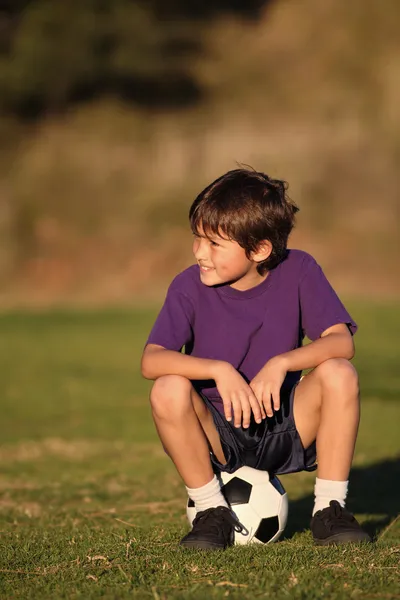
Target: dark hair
{"x": 248, "y": 207}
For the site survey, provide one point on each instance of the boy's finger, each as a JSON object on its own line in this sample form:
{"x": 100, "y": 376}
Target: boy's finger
{"x": 276, "y": 398}
{"x": 257, "y": 408}
{"x": 227, "y": 409}
{"x": 260, "y": 403}
{"x": 246, "y": 410}
{"x": 258, "y": 396}
{"x": 237, "y": 412}
{"x": 266, "y": 399}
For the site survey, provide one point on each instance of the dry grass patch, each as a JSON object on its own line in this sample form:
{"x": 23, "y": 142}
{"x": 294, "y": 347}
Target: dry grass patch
{"x": 30, "y": 509}
{"x": 74, "y": 450}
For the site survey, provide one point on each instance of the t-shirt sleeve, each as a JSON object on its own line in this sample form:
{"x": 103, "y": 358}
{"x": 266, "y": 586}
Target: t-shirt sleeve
{"x": 173, "y": 326}
{"x": 320, "y": 306}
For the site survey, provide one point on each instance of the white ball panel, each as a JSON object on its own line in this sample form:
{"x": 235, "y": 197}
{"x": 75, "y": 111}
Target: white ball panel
{"x": 283, "y": 512}
{"x": 265, "y": 500}
{"x": 249, "y": 519}
{"x": 249, "y": 474}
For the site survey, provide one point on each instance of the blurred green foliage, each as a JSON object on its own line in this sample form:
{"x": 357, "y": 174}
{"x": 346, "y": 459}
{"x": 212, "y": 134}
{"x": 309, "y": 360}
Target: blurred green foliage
{"x": 115, "y": 114}
{"x": 56, "y": 53}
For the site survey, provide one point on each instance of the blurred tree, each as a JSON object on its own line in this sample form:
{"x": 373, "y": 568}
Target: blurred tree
{"x": 201, "y": 9}
{"x": 55, "y": 53}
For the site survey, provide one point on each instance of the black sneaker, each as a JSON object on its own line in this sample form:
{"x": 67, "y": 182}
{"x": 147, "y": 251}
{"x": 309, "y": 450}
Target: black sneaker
{"x": 335, "y": 525}
{"x": 213, "y": 529}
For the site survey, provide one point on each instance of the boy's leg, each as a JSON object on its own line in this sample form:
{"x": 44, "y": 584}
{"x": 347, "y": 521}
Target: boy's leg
{"x": 327, "y": 409}
{"x": 186, "y": 429}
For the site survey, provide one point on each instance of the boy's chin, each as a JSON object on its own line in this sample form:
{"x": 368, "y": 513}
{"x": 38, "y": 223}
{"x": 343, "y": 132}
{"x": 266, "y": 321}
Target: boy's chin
{"x": 214, "y": 281}
{"x": 210, "y": 279}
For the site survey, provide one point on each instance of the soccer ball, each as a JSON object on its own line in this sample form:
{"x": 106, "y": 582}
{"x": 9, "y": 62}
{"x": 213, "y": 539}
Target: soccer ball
{"x": 259, "y": 502}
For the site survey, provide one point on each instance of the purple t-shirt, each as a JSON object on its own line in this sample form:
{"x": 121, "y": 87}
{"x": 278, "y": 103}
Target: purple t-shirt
{"x": 247, "y": 328}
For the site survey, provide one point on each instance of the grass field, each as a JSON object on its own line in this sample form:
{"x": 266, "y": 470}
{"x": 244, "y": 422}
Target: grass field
{"x": 91, "y": 507}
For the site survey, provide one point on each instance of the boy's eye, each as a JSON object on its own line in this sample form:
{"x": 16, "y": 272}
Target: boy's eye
{"x": 213, "y": 243}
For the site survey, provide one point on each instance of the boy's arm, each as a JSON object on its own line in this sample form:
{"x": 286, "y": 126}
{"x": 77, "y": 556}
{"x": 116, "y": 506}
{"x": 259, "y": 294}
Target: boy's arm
{"x": 158, "y": 361}
{"x": 237, "y": 397}
{"x": 335, "y": 342}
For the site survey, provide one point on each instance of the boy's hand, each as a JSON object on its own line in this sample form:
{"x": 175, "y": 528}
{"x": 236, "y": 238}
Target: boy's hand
{"x": 236, "y": 394}
{"x": 267, "y": 384}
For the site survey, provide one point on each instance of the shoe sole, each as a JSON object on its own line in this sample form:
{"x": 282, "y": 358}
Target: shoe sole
{"x": 199, "y": 545}
{"x": 343, "y": 538}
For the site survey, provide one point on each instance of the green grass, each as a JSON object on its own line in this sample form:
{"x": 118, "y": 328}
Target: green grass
{"x": 91, "y": 507}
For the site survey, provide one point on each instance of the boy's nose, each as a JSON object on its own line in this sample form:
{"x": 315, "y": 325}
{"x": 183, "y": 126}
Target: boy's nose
{"x": 200, "y": 249}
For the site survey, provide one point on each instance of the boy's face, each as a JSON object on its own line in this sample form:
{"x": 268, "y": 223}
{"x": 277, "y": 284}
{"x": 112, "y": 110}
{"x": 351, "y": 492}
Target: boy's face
{"x": 224, "y": 261}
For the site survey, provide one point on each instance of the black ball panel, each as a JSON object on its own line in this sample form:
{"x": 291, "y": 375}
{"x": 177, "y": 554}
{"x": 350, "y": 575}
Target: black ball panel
{"x": 237, "y": 491}
{"x": 267, "y": 529}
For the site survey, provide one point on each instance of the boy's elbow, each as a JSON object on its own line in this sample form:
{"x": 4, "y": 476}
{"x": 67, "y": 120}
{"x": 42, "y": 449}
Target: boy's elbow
{"x": 145, "y": 367}
{"x": 350, "y": 350}
{"x": 146, "y": 371}
{"x": 147, "y": 363}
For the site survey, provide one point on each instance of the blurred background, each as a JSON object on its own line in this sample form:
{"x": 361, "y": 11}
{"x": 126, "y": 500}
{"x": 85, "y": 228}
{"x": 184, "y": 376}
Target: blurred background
{"x": 115, "y": 114}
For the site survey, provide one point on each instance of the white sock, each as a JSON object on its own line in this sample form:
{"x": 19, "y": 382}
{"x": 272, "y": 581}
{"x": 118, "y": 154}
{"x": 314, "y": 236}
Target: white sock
{"x": 327, "y": 490}
{"x": 207, "y": 496}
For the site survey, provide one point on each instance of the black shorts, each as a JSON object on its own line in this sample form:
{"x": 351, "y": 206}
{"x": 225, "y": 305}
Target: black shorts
{"x": 274, "y": 445}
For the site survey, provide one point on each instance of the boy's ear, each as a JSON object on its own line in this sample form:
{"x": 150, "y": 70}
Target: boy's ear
{"x": 263, "y": 251}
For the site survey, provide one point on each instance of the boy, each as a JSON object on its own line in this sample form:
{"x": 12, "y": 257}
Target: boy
{"x": 235, "y": 397}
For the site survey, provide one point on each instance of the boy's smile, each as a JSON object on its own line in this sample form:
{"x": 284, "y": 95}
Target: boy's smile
{"x": 224, "y": 261}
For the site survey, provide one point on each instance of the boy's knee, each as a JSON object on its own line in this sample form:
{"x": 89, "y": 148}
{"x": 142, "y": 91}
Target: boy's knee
{"x": 339, "y": 373}
{"x": 169, "y": 393}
